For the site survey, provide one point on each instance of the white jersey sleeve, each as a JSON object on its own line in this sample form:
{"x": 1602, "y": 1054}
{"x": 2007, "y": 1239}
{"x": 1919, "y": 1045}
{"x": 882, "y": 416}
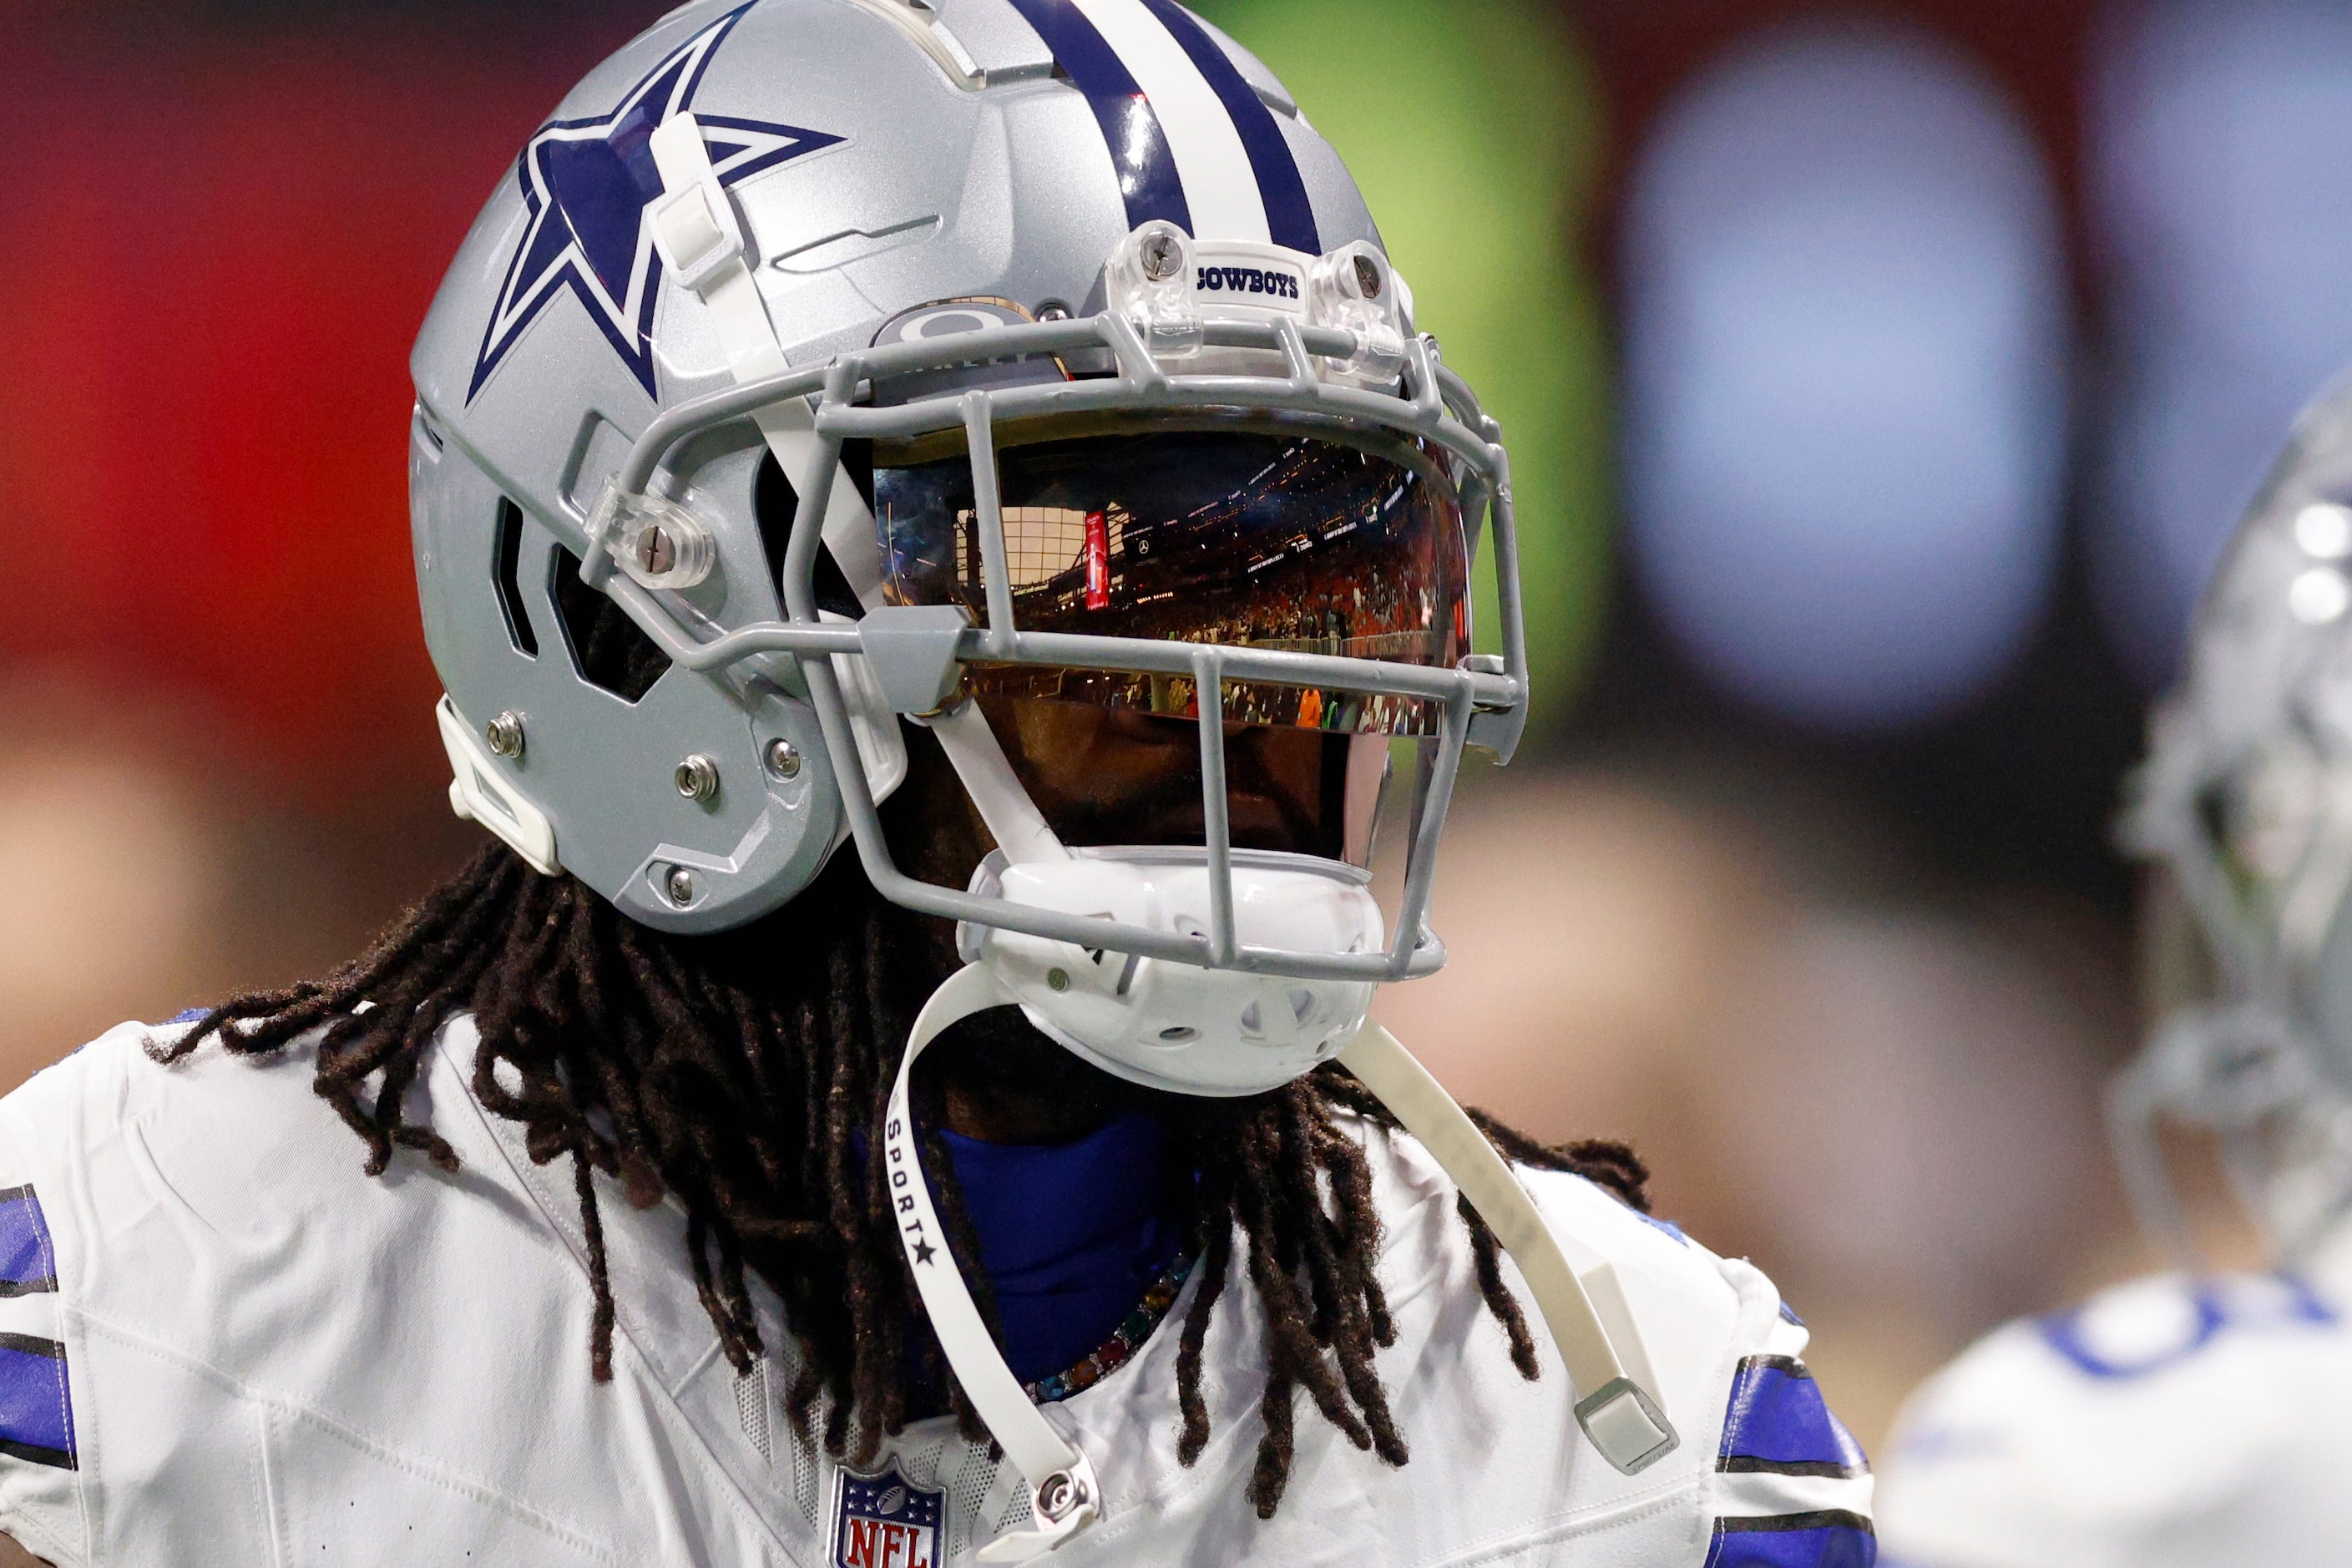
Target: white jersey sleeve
{"x": 2170, "y": 1423}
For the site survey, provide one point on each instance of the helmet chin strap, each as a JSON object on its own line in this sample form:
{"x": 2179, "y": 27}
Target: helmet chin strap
{"x": 1013, "y": 818}
{"x": 1586, "y": 1310}
{"x": 1063, "y": 1497}
{"x": 702, "y": 241}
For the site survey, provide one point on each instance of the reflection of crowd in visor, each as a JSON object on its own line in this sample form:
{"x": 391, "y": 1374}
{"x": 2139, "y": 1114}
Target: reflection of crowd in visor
{"x": 1244, "y": 538}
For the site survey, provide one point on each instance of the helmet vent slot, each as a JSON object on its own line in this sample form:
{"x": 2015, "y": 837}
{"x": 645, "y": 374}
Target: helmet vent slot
{"x": 508, "y": 580}
{"x": 609, "y": 650}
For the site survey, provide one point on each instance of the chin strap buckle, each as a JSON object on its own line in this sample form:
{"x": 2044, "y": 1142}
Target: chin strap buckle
{"x": 1626, "y": 1426}
{"x": 694, "y": 223}
{"x": 1062, "y": 1504}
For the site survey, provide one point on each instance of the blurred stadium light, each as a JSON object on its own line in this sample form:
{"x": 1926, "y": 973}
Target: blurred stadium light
{"x": 1472, "y": 126}
{"x": 1847, "y": 340}
{"x": 2220, "y": 139}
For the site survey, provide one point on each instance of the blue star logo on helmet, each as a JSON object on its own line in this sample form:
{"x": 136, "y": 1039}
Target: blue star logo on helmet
{"x": 585, "y": 183}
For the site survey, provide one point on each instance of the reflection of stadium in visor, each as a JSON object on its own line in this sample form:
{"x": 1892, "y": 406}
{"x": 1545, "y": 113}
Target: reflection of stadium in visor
{"x": 1260, "y": 532}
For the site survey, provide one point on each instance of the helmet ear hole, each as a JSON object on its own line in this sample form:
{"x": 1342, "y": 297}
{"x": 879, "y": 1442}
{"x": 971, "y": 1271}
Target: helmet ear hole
{"x": 609, "y": 651}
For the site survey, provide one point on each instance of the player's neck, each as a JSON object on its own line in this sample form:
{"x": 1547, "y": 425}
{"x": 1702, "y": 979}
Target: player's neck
{"x": 1002, "y": 1113}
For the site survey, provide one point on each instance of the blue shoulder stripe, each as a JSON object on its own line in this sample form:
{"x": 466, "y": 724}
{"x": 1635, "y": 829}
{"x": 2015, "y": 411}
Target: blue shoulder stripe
{"x": 1138, "y": 147}
{"x": 36, "y": 1408}
{"x": 28, "y": 1265}
{"x": 1778, "y": 1422}
{"x": 1830, "y": 1538}
{"x": 1289, "y": 217}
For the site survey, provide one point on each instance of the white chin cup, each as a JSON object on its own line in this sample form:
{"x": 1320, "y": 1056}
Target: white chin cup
{"x": 1177, "y": 1026}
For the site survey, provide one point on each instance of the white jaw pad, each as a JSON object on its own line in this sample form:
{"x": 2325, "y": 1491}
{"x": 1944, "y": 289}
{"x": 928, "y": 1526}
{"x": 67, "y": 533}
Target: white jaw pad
{"x": 480, "y": 792}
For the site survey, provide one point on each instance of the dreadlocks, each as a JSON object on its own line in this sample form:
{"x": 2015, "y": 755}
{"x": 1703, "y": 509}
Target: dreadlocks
{"x": 746, "y": 1073}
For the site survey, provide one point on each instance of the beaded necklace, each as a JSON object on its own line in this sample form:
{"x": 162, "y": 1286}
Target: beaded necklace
{"x": 1113, "y": 1353}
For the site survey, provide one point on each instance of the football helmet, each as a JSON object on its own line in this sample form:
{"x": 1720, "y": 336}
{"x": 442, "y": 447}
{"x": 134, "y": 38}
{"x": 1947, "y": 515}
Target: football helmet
{"x": 889, "y": 360}
{"x": 2244, "y": 804}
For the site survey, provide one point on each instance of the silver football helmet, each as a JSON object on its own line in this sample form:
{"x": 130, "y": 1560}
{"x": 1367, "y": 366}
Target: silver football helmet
{"x": 890, "y": 360}
{"x": 2245, "y": 804}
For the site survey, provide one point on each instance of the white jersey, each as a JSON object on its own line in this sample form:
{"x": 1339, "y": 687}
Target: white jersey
{"x": 222, "y": 1342}
{"x": 2170, "y": 1423}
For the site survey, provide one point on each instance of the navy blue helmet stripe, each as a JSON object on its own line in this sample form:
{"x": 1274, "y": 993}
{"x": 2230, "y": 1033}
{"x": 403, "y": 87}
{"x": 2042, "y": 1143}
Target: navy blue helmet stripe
{"x": 1138, "y": 148}
{"x": 1289, "y": 216}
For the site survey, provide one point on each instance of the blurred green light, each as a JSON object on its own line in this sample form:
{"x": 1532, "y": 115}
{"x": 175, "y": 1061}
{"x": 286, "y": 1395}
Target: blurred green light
{"x": 1472, "y": 127}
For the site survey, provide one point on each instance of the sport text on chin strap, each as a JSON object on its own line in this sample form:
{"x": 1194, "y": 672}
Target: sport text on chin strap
{"x": 696, "y": 224}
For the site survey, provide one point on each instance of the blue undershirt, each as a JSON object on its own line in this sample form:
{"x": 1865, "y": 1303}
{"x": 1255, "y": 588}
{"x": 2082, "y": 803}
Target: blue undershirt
{"x": 1072, "y": 1234}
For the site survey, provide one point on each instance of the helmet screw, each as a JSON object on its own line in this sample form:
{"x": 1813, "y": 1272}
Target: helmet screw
{"x": 655, "y": 550}
{"x": 679, "y": 885}
{"x": 1058, "y": 1495}
{"x": 697, "y": 779}
{"x": 1053, "y": 313}
{"x": 504, "y": 734}
{"x": 784, "y": 759}
{"x": 1057, "y": 979}
{"x": 1368, "y": 276}
{"x": 1161, "y": 257}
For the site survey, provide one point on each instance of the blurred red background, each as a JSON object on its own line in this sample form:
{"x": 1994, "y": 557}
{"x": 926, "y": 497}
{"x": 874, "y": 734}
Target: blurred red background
{"x": 216, "y": 242}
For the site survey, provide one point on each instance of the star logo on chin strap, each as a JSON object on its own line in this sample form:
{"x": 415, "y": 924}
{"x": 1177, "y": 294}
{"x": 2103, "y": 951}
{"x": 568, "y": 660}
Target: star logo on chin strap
{"x": 925, "y": 1252}
{"x": 585, "y": 183}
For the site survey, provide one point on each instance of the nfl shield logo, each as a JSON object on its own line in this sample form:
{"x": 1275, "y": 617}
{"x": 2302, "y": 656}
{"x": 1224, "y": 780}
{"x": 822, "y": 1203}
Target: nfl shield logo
{"x": 880, "y": 1521}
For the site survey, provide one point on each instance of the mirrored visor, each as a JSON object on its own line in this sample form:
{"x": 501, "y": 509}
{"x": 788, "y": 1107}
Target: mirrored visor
{"x": 1244, "y": 530}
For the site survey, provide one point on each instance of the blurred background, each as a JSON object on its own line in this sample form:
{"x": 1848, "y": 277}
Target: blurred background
{"x": 1881, "y": 382}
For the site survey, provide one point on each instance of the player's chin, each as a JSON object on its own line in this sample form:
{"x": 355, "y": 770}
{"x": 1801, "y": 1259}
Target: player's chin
{"x": 1255, "y": 822}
